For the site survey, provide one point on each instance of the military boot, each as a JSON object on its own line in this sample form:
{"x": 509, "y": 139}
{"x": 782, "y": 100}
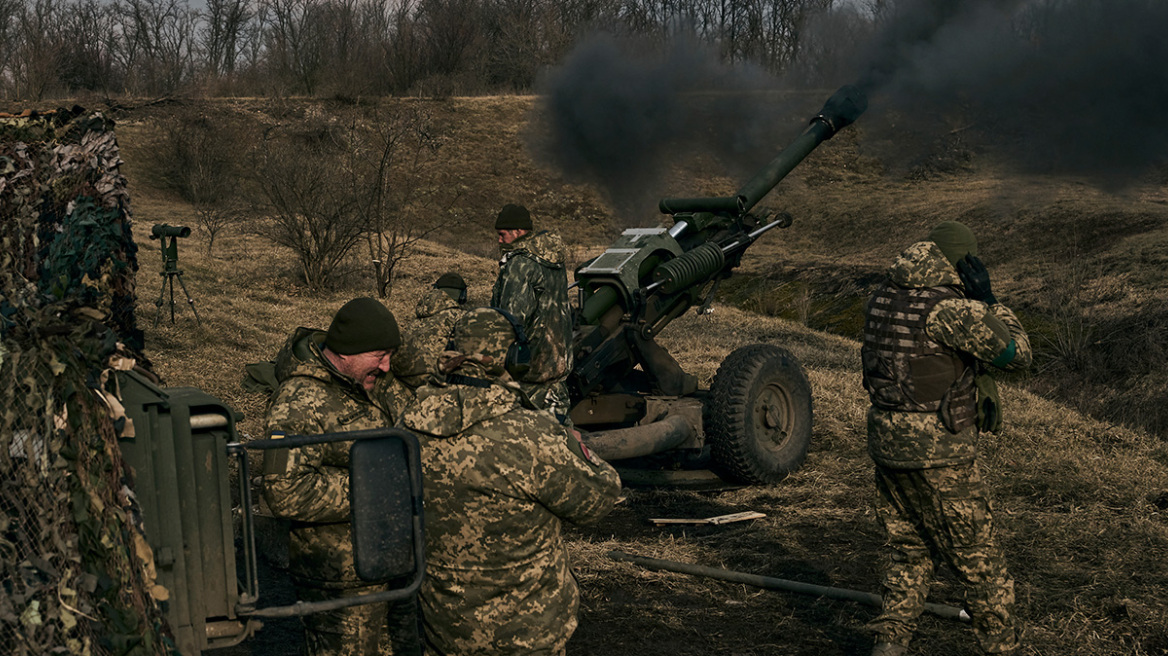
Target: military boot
{"x": 888, "y": 649}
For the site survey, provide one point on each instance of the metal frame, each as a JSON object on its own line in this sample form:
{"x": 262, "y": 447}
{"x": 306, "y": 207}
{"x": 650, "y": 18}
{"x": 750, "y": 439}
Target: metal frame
{"x": 301, "y": 608}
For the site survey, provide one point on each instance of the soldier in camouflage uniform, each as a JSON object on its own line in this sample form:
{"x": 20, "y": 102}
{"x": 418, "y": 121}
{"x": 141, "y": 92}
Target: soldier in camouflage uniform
{"x": 500, "y": 476}
{"x": 417, "y": 359}
{"x": 929, "y": 331}
{"x": 333, "y": 382}
{"x": 533, "y": 287}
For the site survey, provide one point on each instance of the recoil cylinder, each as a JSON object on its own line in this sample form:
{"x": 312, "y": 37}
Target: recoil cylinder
{"x": 691, "y": 267}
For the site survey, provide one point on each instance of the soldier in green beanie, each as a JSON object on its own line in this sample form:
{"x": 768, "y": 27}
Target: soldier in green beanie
{"x": 533, "y": 286}
{"x": 334, "y": 381}
{"x": 929, "y": 331}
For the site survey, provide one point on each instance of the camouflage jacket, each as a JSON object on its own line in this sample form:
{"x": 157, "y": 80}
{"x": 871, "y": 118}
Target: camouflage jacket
{"x": 499, "y": 478}
{"x": 425, "y": 340}
{"x": 310, "y": 485}
{"x": 533, "y": 286}
{"x": 986, "y": 333}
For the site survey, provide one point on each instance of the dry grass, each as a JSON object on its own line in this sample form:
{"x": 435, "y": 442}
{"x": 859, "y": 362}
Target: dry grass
{"x": 1081, "y": 503}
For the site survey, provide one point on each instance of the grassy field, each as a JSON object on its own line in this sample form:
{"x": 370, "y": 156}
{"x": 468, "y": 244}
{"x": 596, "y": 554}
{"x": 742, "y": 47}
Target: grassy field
{"x": 1081, "y": 502}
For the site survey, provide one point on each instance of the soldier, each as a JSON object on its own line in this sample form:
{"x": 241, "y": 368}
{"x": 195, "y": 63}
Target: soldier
{"x": 333, "y": 382}
{"x": 929, "y": 330}
{"x": 533, "y": 286}
{"x": 500, "y": 477}
{"x": 424, "y": 342}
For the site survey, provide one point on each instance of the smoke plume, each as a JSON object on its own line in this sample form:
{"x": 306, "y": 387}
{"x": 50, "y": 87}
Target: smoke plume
{"x": 1069, "y": 87}
{"x": 617, "y": 111}
{"x": 1075, "y": 87}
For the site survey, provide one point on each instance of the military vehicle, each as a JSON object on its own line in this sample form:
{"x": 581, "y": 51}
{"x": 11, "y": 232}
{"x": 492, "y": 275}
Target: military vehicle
{"x": 636, "y": 405}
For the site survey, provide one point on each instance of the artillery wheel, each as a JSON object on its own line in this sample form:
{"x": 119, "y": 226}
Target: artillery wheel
{"x": 758, "y": 415}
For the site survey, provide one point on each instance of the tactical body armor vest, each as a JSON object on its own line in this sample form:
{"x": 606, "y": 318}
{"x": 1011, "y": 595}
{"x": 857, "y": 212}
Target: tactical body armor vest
{"x": 907, "y": 371}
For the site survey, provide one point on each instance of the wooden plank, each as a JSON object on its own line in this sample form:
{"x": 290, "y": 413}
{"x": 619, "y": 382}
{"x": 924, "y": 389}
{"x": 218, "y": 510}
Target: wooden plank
{"x": 717, "y": 521}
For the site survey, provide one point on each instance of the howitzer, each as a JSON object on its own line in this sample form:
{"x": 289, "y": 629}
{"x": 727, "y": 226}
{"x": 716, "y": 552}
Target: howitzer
{"x": 754, "y": 423}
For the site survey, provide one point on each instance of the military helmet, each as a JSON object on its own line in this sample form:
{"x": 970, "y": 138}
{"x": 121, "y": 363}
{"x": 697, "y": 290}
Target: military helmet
{"x": 453, "y": 284}
{"x": 494, "y": 333}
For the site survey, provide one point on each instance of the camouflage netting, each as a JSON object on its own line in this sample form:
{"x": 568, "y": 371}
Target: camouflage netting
{"x": 76, "y": 575}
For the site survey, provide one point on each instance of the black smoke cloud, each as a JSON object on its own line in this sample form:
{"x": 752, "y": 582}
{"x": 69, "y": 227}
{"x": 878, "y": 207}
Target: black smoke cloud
{"x": 1075, "y": 87}
{"x": 1070, "y": 87}
{"x": 617, "y": 111}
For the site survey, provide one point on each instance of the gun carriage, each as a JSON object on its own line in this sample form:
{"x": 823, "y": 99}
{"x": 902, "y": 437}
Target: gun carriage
{"x": 634, "y": 402}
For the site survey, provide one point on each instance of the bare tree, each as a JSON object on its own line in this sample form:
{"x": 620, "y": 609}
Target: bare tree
{"x": 87, "y": 61}
{"x": 295, "y": 41}
{"x": 830, "y": 47}
{"x": 516, "y": 51}
{"x": 408, "y": 201}
{"x": 405, "y": 61}
{"x": 156, "y": 45}
{"x": 223, "y": 34}
{"x": 451, "y": 32}
{"x": 9, "y": 33}
{"x": 35, "y": 63}
{"x": 317, "y": 198}
{"x": 196, "y": 157}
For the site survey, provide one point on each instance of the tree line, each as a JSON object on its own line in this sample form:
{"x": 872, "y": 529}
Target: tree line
{"x": 356, "y": 48}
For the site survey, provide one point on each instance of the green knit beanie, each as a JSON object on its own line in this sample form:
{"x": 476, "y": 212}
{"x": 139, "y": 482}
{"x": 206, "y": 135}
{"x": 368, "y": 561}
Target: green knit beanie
{"x": 513, "y": 217}
{"x": 955, "y": 240}
{"x": 363, "y": 325}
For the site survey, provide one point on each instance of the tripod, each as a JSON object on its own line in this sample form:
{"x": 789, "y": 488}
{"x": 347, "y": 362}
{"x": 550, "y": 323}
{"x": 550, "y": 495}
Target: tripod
{"x": 170, "y": 271}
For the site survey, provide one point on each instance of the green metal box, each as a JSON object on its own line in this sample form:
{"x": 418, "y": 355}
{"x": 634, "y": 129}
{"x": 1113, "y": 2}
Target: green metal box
{"x": 180, "y": 463}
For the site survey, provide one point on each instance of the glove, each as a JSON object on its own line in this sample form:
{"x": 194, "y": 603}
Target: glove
{"x": 989, "y": 403}
{"x": 976, "y": 279}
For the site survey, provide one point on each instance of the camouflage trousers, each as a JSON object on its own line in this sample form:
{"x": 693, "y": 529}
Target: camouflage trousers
{"x": 942, "y": 515}
{"x": 365, "y": 630}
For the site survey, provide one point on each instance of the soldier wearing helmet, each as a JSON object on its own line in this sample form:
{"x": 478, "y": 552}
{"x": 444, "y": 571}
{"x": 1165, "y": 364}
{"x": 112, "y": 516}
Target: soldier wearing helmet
{"x": 930, "y": 330}
{"x": 500, "y": 477}
{"x": 417, "y": 359}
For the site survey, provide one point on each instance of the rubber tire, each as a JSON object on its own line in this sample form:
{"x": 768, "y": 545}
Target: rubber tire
{"x": 758, "y": 415}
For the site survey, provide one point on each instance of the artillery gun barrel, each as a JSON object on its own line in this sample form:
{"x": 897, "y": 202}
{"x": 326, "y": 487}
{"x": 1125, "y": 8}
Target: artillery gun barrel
{"x": 841, "y": 110}
{"x": 701, "y": 262}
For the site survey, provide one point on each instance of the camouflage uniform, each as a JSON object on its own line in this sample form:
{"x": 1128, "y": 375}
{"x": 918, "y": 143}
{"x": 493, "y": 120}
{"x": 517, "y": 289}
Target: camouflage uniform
{"x": 499, "y": 478}
{"x": 417, "y": 358}
{"x": 310, "y": 487}
{"x": 923, "y": 341}
{"x": 533, "y": 287}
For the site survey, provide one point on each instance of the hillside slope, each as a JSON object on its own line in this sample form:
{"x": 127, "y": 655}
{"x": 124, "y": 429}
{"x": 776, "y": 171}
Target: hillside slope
{"x": 1085, "y": 267}
{"x": 1081, "y": 503}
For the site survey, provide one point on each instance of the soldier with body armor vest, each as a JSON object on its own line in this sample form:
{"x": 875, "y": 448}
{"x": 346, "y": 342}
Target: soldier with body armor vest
{"x": 533, "y": 286}
{"x": 930, "y": 330}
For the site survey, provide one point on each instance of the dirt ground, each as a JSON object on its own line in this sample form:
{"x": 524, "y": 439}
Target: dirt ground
{"x": 633, "y": 610}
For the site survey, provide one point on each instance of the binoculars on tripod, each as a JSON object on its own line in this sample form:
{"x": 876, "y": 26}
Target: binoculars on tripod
{"x": 161, "y": 230}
